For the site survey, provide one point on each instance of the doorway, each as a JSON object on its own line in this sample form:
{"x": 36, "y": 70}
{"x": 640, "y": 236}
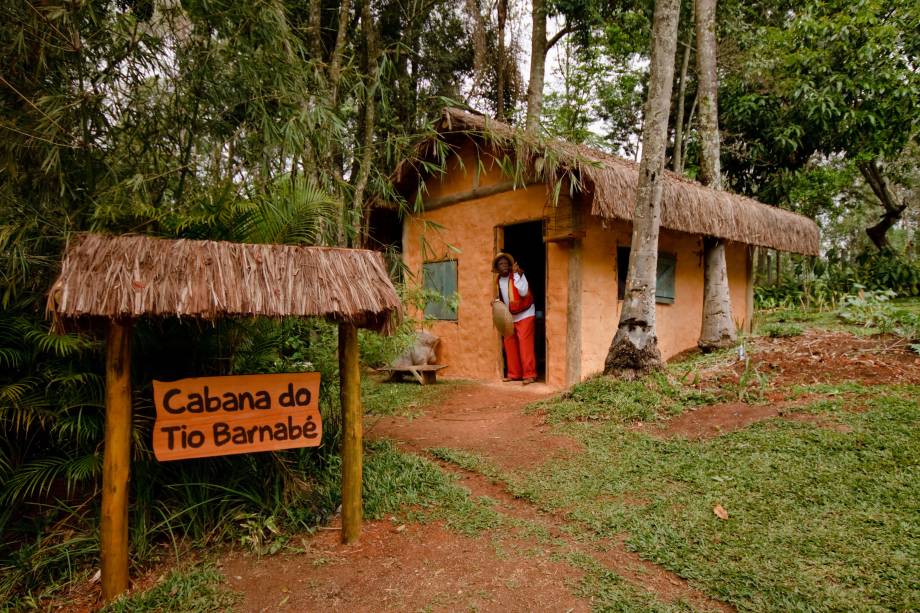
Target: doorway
{"x": 524, "y": 242}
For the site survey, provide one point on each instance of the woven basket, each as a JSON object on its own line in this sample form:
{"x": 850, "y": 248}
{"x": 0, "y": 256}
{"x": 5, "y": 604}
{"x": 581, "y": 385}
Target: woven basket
{"x": 502, "y": 319}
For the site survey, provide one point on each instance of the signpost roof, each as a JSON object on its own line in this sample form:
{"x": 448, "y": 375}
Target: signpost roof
{"x": 135, "y": 275}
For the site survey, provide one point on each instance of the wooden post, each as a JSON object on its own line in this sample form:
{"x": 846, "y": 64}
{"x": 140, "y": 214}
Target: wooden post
{"x": 749, "y": 292}
{"x": 116, "y": 462}
{"x": 352, "y": 432}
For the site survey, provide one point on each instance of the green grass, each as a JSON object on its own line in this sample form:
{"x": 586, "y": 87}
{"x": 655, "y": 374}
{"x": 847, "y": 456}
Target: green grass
{"x": 397, "y": 483}
{"x": 825, "y": 320}
{"x": 200, "y": 589}
{"x": 403, "y": 399}
{"x": 606, "y": 399}
{"x": 610, "y": 592}
{"x": 819, "y": 520}
{"x": 781, "y": 330}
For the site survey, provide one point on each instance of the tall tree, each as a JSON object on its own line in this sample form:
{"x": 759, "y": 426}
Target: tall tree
{"x": 634, "y": 349}
{"x": 718, "y": 329}
{"x": 539, "y": 47}
{"x": 678, "y": 156}
{"x": 824, "y": 79}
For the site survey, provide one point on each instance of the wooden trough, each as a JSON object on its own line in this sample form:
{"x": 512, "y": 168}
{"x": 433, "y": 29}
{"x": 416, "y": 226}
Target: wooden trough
{"x": 121, "y": 278}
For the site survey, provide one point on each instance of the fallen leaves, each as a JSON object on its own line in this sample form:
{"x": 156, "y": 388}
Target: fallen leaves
{"x": 720, "y": 512}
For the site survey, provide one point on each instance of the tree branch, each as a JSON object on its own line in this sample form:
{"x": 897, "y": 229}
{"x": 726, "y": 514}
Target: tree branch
{"x": 558, "y": 36}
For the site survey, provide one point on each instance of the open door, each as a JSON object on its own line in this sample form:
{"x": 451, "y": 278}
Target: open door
{"x": 524, "y": 241}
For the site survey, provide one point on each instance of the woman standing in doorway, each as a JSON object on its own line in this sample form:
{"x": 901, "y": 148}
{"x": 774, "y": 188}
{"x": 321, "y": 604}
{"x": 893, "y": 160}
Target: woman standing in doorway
{"x": 513, "y": 290}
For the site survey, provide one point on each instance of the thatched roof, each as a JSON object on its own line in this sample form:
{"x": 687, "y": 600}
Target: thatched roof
{"x": 610, "y": 183}
{"x": 130, "y": 276}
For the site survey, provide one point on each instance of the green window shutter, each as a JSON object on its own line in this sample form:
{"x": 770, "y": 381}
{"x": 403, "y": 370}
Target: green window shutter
{"x": 664, "y": 285}
{"x": 441, "y": 278}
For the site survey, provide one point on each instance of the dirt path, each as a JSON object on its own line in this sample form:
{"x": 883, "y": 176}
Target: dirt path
{"x": 486, "y": 419}
{"x": 427, "y": 567}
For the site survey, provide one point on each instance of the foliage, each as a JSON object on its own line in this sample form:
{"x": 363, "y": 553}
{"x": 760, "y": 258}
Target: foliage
{"x": 218, "y": 121}
{"x": 603, "y": 71}
{"x": 823, "y": 283}
{"x": 607, "y": 399}
{"x": 875, "y": 309}
{"x": 781, "y": 330}
{"x": 814, "y": 91}
{"x": 198, "y": 588}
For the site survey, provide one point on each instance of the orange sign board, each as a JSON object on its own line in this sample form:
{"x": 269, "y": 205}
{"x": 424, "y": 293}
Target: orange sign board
{"x": 213, "y": 416}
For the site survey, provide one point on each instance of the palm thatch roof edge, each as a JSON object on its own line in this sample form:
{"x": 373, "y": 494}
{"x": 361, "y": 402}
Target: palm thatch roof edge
{"x": 610, "y": 183}
{"x": 136, "y": 275}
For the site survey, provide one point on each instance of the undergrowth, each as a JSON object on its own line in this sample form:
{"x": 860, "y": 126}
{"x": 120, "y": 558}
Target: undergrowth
{"x": 877, "y": 310}
{"x": 606, "y": 399}
{"x": 200, "y": 589}
{"x": 50, "y": 467}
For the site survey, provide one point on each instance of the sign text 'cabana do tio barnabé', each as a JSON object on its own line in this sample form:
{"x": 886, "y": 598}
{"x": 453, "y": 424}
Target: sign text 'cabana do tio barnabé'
{"x": 213, "y": 416}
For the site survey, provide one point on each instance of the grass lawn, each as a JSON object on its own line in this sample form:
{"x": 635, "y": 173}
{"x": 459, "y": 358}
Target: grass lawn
{"x": 818, "y": 519}
{"x": 823, "y": 512}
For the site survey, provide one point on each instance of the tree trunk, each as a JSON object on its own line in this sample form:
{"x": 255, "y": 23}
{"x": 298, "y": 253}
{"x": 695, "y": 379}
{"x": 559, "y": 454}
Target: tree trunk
{"x": 718, "y": 329}
{"x": 681, "y": 105}
{"x": 502, "y": 10}
{"x": 370, "y": 119}
{"x": 707, "y": 92}
{"x": 893, "y": 211}
{"x": 479, "y": 45}
{"x": 537, "y": 65}
{"x": 335, "y": 63}
{"x": 634, "y": 349}
{"x": 316, "y": 30}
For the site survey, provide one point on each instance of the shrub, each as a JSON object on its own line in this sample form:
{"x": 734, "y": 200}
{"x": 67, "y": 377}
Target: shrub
{"x": 875, "y": 309}
{"x": 781, "y": 330}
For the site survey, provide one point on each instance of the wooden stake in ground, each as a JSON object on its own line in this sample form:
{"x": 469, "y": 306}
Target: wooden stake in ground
{"x": 634, "y": 349}
{"x": 116, "y": 460}
{"x": 352, "y": 432}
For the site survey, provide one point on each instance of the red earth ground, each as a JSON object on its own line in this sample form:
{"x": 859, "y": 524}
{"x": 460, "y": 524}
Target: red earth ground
{"x": 409, "y": 567}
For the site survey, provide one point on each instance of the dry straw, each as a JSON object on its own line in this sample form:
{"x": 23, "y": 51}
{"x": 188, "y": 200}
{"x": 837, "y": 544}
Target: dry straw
{"x": 131, "y": 276}
{"x": 609, "y": 183}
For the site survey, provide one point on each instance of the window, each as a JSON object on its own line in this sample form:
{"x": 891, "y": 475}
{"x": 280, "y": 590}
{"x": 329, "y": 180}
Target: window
{"x": 664, "y": 285}
{"x": 441, "y": 278}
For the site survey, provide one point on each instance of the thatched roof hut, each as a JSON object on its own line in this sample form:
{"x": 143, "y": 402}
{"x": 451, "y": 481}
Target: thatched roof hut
{"x": 609, "y": 182}
{"x": 133, "y": 275}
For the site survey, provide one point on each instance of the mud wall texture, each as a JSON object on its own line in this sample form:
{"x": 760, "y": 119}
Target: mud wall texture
{"x": 470, "y": 232}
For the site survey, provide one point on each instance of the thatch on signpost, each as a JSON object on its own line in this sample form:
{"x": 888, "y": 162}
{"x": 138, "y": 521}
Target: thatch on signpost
{"x": 134, "y": 276}
{"x": 609, "y": 183}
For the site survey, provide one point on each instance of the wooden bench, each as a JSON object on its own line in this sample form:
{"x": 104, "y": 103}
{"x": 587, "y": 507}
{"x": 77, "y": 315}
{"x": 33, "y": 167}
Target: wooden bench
{"x": 425, "y": 374}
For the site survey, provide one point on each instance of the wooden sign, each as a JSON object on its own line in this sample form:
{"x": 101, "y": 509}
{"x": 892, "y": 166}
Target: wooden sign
{"x": 213, "y": 416}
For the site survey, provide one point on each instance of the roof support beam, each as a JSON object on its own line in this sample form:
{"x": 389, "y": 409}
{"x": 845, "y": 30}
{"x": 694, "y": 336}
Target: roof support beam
{"x": 477, "y": 192}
